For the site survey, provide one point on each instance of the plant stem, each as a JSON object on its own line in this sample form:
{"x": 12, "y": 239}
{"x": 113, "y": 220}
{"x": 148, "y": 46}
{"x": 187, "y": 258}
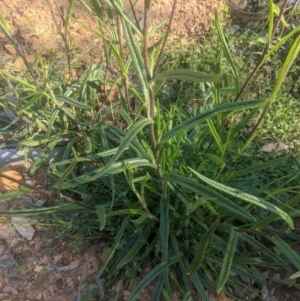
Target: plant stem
{"x": 166, "y": 36}
{"x": 148, "y": 73}
{"x": 122, "y": 55}
{"x": 267, "y": 106}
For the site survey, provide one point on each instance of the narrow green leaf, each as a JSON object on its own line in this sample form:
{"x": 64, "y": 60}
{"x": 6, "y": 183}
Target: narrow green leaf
{"x": 284, "y": 39}
{"x": 164, "y": 228}
{"x": 123, "y": 15}
{"x": 4, "y": 197}
{"x": 226, "y": 50}
{"x": 289, "y": 60}
{"x": 72, "y": 102}
{"x": 186, "y": 74}
{"x": 247, "y": 198}
{"x": 104, "y": 171}
{"x": 285, "y": 249}
{"x": 132, "y": 252}
{"x": 44, "y": 155}
{"x": 227, "y": 261}
{"x": 200, "y": 289}
{"x": 51, "y": 123}
{"x": 154, "y": 273}
{"x": 215, "y": 135}
{"x": 198, "y": 119}
{"x": 61, "y": 209}
{"x": 114, "y": 247}
{"x": 252, "y": 169}
{"x": 202, "y": 248}
{"x": 100, "y": 211}
{"x": 88, "y": 146}
{"x": 125, "y": 212}
{"x": 295, "y": 275}
{"x": 212, "y": 195}
{"x": 137, "y": 60}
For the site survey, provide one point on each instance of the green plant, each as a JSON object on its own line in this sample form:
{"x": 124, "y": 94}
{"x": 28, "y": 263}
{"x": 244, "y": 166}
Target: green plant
{"x": 162, "y": 183}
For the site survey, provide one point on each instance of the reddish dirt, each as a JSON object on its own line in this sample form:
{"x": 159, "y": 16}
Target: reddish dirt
{"x": 37, "y": 27}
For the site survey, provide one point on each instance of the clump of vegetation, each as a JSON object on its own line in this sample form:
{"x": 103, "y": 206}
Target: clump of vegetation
{"x": 168, "y": 174}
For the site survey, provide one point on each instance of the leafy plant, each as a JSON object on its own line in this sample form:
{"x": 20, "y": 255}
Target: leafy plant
{"x": 158, "y": 181}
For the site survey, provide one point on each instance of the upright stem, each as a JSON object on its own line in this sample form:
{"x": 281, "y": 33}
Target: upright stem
{"x": 122, "y": 55}
{"x": 267, "y": 106}
{"x": 150, "y": 88}
{"x": 166, "y": 37}
{"x": 265, "y": 50}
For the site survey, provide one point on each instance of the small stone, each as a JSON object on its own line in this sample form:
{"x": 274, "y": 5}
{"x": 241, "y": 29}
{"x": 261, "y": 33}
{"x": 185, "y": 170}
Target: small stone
{"x": 7, "y": 289}
{"x": 14, "y": 291}
{"x": 38, "y": 268}
{"x": 22, "y": 225}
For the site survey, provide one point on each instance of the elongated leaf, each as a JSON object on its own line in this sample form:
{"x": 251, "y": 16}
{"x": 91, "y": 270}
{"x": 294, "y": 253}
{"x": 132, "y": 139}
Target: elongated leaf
{"x": 65, "y": 208}
{"x": 227, "y": 261}
{"x": 247, "y": 198}
{"x": 4, "y": 197}
{"x": 104, "y": 171}
{"x": 164, "y": 227}
{"x": 290, "y": 58}
{"x": 226, "y": 50}
{"x": 51, "y": 123}
{"x": 88, "y": 158}
{"x": 212, "y": 195}
{"x": 123, "y": 15}
{"x": 20, "y": 80}
{"x": 137, "y": 61}
{"x": 130, "y": 135}
{"x": 187, "y": 74}
{"x": 215, "y": 135}
{"x": 154, "y": 273}
{"x": 114, "y": 247}
{"x": 287, "y": 251}
{"x": 284, "y": 39}
{"x": 72, "y": 102}
{"x": 202, "y": 248}
{"x": 134, "y": 249}
{"x": 44, "y": 155}
{"x": 295, "y": 275}
{"x": 100, "y": 211}
{"x": 198, "y": 119}
{"x": 200, "y": 289}
{"x": 125, "y": 212}
{"x": 254, "y": 168}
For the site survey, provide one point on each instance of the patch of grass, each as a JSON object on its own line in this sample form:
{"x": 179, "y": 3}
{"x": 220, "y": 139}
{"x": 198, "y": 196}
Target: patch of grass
{"x": 168, "y": 173}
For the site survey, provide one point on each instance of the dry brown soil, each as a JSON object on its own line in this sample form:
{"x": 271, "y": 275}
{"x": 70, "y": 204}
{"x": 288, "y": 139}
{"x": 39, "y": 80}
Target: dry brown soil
{"x": 37, "y": 27}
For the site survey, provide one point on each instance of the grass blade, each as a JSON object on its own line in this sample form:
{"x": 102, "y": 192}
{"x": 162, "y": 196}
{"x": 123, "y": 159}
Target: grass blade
{"x": 227, "y": 262}
{"x": 212, "y": 195}
{"x": 226, "y": 50}
{"x": 154, "y": 273}
{"x": 105, "y": 171}
{"x": 12, "y": 194}
{"x": 247, "y": 198}
{"x": 114, "y": 247}
{"x": 186, "y": 74}
{"x": 287, "y": 251}
{"x": 196, "y": 120}
{"x": 202, "y": 248}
